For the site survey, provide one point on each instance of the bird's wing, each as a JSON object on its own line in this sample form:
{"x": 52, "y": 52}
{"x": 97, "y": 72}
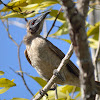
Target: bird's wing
{"x": 25, "y": 52}
{"x": 70, "y": 66}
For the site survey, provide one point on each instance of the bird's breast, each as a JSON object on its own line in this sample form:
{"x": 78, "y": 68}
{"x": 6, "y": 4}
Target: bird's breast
{"x": 42, "y": 58}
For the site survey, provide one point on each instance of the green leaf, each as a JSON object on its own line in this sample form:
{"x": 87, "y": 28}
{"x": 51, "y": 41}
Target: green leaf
{"x": 63, "y": 29}
{"x": 68, "y": 97}
{"x": 19, "y": 99}
{"x": 6, "y": 83}
{"x": 61, "y": 95}
{"x": 14, "y": 4}
{"x": 4, "y": 90}
{"x": 15, "y": 14}
{"x": 53, "y": 18}
{"x": 94, "y": 30}
{"x": 90, "y": 11}
{"x": 93, "y": 43}
{"x": 34, "y": 1}
{"x": 54, "y": 14}
{"x": 39, "y": 80}
{"x": 68, "y": 41}
{"x": 51, "y": 96}
{"x": 31, "y": 7}
{"x": 40, "y": 1}
{"x": 1, "y": 73}
{"x": 78, "y": 95}
{"x": 69, "y": 88}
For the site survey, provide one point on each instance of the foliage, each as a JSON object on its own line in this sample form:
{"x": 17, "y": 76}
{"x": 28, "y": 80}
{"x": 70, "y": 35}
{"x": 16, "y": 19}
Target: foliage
{"x": 30, "y": 8}
{"x": 5, "y": 84}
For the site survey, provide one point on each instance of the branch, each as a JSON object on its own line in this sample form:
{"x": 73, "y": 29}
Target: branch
{"x": 20, "y": 11}
{"x": 96, "y": 58}
{"x": 76, "y": 17}
{"x": 7, "y": 29}
{"x": 22, "y": 76}
{"x": 64, "y": 61}
{"x": 18, "y": 47}
{"x": 82, "y": 7}
{"x": 54, "y": 22}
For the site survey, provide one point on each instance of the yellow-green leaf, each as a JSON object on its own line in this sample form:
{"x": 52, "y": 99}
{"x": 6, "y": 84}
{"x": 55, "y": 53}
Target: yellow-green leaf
{"x": 1, "y": 73}
{"x": 63, "y": 29}
{"x": 39, "y": 80}
{"x": 14, "y": 4}
{"x": 34, "y": 1}
{"x": 19, "y": 99}
{"x": 69, "y": 88}
{"x": 30, "y": 7}
{"x": 93, "y": 43}
{"x": 6, "y": 83}
{"x": 4, "y": 90}
{"x": 78, "y": 95}
{"x": 94, "y": 30}
{"x": 68, "y": 41}
{"x": 47, "y": 3}
{"x": 51, "y": 96}
{"x": 14, "y": 14}
{"x": 90, "y": 11}
{"x": 54, "y": 14}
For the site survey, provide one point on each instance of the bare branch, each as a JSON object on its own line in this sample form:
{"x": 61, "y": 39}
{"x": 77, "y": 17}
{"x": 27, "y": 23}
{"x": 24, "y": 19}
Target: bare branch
{"x": 18, "y": 46}
{"x": 54, "y": 22}
{"x": 7, "y": 29}
{"x": 96, "y": 58}
{"x": 82, "y": 7}
{"x": 64, "y": 61}
{"x": 56, "y": 94}
{"x": 22, "y": 76}
{"x": 76, "y": 18}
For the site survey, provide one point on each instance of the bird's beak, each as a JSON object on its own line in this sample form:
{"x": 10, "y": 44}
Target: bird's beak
{"x": 35, "y": 25}
{"x": 43, "y": 16}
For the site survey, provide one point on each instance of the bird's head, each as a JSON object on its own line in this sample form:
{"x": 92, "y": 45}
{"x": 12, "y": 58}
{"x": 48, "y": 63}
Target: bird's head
{"x": 35, "y": 25}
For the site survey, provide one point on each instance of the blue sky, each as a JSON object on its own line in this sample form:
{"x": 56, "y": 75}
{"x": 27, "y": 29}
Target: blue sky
{"x": 9, "y": 58}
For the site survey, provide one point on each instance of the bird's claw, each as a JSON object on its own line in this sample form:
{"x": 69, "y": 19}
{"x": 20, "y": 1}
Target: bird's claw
{"x": 56, "y": 73}
{"x": 42, "y": 92}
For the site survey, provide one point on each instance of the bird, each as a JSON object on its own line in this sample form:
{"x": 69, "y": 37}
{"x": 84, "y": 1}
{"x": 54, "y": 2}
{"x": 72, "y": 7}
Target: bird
{"x": 46, "y": 57}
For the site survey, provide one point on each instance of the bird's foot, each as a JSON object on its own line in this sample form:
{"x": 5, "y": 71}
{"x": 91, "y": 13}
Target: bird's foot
{"x": 56, "y": 73}
{"x": 53, "y": 87}
{"x": 42, "y": 92}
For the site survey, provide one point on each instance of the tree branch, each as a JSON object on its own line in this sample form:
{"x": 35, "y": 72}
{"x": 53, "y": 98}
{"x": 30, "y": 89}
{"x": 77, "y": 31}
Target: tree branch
{"x": 54, "y": 22}
{"x": 22, "y": 76}
{"x": 64, "y": 61}
{"x": 18, "y": 48}
{"x": 96, "y": 58}
{"x": 76, "y": 17}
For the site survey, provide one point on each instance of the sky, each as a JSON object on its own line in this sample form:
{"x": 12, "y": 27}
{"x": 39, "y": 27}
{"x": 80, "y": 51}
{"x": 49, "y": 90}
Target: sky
{"x": 9, "y": 58}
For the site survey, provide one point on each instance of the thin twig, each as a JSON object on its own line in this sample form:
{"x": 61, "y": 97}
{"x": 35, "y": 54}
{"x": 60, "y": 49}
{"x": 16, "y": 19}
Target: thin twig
{"x": 72, "y": 94}
{"x": 10, "y": 37}
{"x": 11, "y": 7}
{"x": 64, "y": 61}
{"x": 22, "y": 76}
{"x": 54, "y": 22}
{"x": 18, "y": 50}
{"x": 56, "y": 94}
{"x": 7, "y": 29}
{"x": 15, "y": 71}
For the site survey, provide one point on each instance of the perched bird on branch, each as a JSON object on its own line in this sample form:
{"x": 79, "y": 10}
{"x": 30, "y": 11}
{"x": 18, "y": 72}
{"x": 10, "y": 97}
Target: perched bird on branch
{"x": 45, "y": 57}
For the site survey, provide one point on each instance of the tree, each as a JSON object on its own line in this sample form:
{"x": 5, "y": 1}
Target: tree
{"x": 75, "y": 20}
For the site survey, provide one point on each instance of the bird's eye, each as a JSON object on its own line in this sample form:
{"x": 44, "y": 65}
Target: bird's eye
{"x": 33, "y": 23}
